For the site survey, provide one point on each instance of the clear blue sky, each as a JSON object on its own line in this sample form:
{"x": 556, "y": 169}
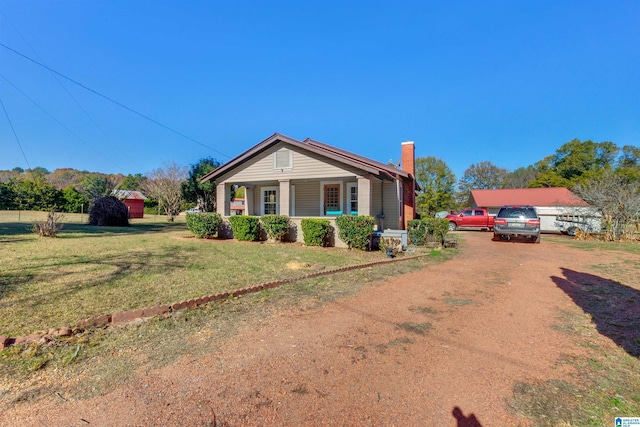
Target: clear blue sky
{"x": 505, "y": 81}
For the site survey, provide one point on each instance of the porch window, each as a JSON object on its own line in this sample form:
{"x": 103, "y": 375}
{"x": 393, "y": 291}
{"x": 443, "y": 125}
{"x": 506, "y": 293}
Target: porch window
{"x": 332, "y": 199}
{"x": 352, "y": 198}
{"x": 269, "y": 201}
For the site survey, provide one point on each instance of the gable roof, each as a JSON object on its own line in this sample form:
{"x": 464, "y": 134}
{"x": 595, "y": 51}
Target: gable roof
{"x": 553, "y": 196}
{"x": 322, "y": 149}
{"x": 128, "y": 195}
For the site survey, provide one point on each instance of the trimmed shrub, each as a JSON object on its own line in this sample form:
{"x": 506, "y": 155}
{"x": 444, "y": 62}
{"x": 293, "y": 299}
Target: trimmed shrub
{"x": 276, "y": 226}
{"x": 355, "y": 231}
{"x": 427, "y": 229}
{"x": 204, "y": 225}
{"x": 315, "y": 231}
{"x": 245, "y": 228}
{"x": 109, "y": 211}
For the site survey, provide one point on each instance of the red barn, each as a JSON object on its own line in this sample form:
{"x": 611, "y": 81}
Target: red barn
{"x": 133, "y": 200}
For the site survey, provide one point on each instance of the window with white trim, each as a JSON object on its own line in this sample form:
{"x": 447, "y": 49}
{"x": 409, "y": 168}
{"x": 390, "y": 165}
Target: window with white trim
{"x": 269, "y": 201}
{"x": 352, "y": 198}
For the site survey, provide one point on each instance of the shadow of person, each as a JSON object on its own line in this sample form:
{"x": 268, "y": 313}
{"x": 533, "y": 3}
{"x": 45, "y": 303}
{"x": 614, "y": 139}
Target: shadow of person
{"x": 613, "y": 306}
{"x": 470, "y": 421}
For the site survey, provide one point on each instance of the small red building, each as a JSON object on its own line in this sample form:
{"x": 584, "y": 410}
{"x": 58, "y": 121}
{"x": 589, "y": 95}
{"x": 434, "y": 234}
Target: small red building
{"x": 133, "y": 200}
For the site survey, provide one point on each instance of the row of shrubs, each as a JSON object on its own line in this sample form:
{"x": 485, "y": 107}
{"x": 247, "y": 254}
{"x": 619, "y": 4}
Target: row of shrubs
{"x": 355, "y": 231}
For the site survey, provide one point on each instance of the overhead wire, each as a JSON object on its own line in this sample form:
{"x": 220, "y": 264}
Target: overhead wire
{"x": 86, "y": 113}
{"x": 95, "y": 92}
{"x": 53, "y": 117}
{"x": 14, "y": 133}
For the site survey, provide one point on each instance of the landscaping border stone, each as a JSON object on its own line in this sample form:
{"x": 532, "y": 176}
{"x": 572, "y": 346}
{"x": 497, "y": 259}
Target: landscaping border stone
{"x": 105, "y": 320}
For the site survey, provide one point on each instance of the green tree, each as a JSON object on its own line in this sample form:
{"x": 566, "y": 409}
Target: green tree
{"x": 194, "y": 191}
{"x": 73, "y": 201}
{"x": 35, "y": 194}
{"x": 437, "y": 183}
{"x": 95, "y": 185}
{"x": 520, "y": 178}
{"x": 575, "y": 162}
{"x": 480, "y": 176}
{"x": 628, "y": 166}
{"x": 7, "y": 196}
{"x": 132, "y": 182}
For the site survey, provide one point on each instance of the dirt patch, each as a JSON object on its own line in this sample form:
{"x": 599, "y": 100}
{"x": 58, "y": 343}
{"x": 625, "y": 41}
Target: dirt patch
{"x": 448, "y": 345}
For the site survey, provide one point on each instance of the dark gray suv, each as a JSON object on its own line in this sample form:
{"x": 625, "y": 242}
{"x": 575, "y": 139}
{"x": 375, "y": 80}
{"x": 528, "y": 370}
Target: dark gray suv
{"x": 514, "y": 221}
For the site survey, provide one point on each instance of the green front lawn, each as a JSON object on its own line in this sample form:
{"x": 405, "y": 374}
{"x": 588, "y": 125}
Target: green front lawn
{"x": 88, "y": 271}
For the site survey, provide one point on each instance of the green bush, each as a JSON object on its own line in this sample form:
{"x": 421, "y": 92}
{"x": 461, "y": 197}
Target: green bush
{"x": 355, "y": 231}
{"x": 276, "y": 226}
{"x": 204, "y": 225}
{"x": 245, "y": 228}
{"x": 315, "y": 231}
{"x": 427, "y": 229}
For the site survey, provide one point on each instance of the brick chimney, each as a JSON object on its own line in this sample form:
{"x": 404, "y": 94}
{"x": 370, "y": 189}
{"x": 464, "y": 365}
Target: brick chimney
{"x": 408, "y": 186}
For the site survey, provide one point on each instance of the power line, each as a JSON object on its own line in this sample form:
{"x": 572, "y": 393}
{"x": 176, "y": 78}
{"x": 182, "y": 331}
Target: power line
{"x": 86, "y": 113}
{"x": 52, "y": 117}
{"x": 14, "y": 133}
{"x": 144, "y": 116}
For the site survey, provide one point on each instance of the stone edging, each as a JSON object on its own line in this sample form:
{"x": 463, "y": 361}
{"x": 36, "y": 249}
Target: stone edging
{"x": 106, "y": 320}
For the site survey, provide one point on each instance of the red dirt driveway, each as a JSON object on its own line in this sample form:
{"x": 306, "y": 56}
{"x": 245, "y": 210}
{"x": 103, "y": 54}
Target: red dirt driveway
{"x": 442, "y": 346}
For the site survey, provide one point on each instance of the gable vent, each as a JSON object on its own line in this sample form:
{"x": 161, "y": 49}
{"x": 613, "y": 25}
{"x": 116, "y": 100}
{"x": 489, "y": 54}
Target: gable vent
{"x": 282, "y": 159}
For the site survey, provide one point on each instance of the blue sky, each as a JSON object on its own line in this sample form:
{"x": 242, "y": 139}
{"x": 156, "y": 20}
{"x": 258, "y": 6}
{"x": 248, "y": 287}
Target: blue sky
{"x": 468, "y": 81}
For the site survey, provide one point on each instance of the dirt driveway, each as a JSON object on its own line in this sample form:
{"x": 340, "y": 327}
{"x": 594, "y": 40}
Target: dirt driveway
{"x": 443, "y": 346}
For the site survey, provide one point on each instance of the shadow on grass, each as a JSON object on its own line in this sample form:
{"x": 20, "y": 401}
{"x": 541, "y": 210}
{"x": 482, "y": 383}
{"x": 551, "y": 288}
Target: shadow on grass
{"x": 81, "y": 285}
{"x": 75, "y": 230}
{"x": 613, "y": 306}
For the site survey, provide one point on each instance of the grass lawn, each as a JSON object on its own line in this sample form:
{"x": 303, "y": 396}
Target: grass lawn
{"x": 88, "y": 271}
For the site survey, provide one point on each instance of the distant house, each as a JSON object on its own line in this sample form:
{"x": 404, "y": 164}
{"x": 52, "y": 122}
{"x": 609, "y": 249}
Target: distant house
{"x": 133, "y": 200}
{"x": 237, "y": 206}
{"x": 559, "y": 209}
{"x": 303, "y": 179}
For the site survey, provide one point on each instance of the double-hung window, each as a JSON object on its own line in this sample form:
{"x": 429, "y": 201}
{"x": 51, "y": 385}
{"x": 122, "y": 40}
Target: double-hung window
{"x": 269, "y": 201}
{"x": 352, "y": 198}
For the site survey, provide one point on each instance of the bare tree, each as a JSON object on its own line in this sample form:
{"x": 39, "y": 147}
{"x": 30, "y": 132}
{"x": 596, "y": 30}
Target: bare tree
{"x": 617, "y": 199}
{"x": 165, "y": 185}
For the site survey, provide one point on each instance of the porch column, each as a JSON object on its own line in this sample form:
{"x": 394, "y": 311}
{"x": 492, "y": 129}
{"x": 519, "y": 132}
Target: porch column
{"x": 222, "y": 199}
{"x": 248, "y": 200}
{"x": 364, "y": 196}
{"x": 285, "y": 197}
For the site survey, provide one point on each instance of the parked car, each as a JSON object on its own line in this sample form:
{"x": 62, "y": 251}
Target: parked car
{"x": 512, "y": 221}
{"x": 472, "y": 217}
{"x": 193, "y": 210}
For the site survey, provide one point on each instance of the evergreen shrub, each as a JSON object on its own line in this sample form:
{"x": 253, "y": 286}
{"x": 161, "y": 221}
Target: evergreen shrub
{"x": 276, "y": 226}
{"x": 355, "y": 231}
{"x": 245, "y": 228}
{"x": 315, "y": 232}
{"x": 204, "y": 224}
{"x": 427, "y": 229}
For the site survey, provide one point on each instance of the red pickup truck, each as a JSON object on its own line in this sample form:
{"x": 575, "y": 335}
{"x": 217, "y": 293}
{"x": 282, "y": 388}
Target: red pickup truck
{"x": 473, "y": 218}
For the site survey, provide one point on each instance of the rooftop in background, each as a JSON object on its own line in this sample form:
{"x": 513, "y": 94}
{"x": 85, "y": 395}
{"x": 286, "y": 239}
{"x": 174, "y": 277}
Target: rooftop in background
{"x": 129, "y": 195}
{"x": 554, "y": 196}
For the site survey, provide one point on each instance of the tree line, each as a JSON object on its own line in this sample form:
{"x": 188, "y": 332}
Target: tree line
{"x": 603, "y": 174}
{"x": 585, "y": 167}
{"x": 170, "y": 188}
